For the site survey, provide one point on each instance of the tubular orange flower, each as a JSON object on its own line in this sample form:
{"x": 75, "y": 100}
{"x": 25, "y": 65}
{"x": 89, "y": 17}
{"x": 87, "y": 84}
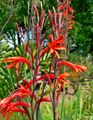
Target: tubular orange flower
{"x": 14, "y": 60}
{"x": 63, "y": 75}
{"x": 15, "y": 104}
{"x": 44, "y": 99}
{"x": 48, "y": 77}
{"x": 81, "y": 68}
{"x": 13, "y": 107}
{"x": 5, "y": 105}
{"x": 62, "y": 79}
{"x": 23, "y": 90}
{"x": 4, "y": 102}
{"x": 54, "y": 46}
{"x": 45, "y": 76}
{"x": 12, "y": 102}
{"x": 74, "y": 67}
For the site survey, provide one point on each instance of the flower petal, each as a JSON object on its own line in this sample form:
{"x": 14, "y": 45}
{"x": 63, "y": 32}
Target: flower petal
{"x": 45, "y": 99}
{"x": 44, "y": 51}
{"x": 69, "y": 64}
{"x": 60, "y": 48}
{"x": 18, "y": 59}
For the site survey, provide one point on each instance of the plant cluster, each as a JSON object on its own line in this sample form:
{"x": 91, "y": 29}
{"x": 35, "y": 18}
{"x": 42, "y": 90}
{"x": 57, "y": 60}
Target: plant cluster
{"x": 52, "y": 77}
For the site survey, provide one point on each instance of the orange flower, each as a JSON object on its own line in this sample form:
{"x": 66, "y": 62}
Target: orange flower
{"x": 54, "y": 46}
{"x": 74, "y": 67}
{"x": 62, "y": 79}
{"x": 15, "y": 60}
{"x": 11, "y": 103}
{"x": 49, "y": 77}
{"x": 44, "y": 99}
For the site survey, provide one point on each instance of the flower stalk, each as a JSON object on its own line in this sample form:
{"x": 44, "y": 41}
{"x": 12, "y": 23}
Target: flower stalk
{"x": 54, "y": 91}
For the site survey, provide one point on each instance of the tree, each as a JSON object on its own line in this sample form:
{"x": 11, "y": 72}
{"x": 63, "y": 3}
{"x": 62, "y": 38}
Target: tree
{"x": 83, "y": 29}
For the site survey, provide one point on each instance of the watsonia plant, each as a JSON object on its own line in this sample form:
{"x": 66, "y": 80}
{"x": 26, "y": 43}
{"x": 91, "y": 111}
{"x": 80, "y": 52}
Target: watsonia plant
{"x": 53, "y": 77}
